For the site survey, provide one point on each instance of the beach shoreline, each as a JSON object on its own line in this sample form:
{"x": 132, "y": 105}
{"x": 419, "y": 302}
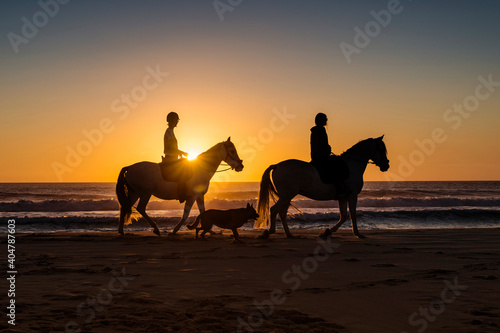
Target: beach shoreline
{"x": 440, "y": 280}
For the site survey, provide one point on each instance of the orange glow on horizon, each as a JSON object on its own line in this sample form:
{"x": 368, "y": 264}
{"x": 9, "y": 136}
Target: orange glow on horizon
{"x": 79, "y": 103}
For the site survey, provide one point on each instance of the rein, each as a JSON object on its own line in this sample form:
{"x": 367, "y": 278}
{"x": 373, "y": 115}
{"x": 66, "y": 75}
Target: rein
{"x": 357, "y": 160}
{"x": 225, "y": 164}
{"x": 229, "y": 168}
{"x": 208, "y": 170}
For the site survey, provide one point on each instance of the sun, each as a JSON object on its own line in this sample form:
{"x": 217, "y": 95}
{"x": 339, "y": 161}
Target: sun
{"x": 192, "y": 155}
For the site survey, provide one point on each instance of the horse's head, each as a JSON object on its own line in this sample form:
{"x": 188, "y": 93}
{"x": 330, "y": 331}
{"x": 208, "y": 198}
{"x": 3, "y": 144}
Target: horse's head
{"x": 231, "y": 156}
{"x": 380, "y": 155}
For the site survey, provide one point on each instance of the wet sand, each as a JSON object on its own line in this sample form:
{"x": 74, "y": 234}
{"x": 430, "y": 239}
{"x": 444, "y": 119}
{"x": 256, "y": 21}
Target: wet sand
{"x": 392, "y": 281}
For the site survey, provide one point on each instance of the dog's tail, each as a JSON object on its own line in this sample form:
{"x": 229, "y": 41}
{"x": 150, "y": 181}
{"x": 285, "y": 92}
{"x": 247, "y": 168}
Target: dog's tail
{"x": 195, "y": 223}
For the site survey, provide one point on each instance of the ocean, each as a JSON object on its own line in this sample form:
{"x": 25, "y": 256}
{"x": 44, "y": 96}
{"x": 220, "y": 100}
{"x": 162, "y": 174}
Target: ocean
{"x": 80, "y": 207}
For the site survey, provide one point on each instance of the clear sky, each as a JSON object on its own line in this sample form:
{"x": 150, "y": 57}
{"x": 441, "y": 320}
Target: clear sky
{"x": 85, "y": 86}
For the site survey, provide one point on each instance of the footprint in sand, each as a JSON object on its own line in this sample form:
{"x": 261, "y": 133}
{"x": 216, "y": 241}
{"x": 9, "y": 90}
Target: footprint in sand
{"x": 383, "y": 265}
{"x": 485, "y": 277}
{"x": 351, "y": 259}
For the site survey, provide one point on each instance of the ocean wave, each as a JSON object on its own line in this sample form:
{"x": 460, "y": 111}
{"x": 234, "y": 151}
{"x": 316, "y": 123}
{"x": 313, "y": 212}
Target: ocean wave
{"x": 429, "y": 202}
{"x": 402, "y": 219}
{"x": 74, "y": 205}
{"x": 84, "y": 224}
{"x": 441, "y": 215}
{"x": 59, "y": 205}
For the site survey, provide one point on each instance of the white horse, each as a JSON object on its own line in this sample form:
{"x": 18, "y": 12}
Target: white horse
{"x": 293, "y": 177}
{"x": 143, "y": 179}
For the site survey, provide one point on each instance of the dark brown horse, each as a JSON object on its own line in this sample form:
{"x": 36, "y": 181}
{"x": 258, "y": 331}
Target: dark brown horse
{"x": 293, "y": 177}
{"x": 142, "y": 180}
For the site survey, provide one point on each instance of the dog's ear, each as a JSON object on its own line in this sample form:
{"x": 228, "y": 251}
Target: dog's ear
{"x": 248, "y": 205}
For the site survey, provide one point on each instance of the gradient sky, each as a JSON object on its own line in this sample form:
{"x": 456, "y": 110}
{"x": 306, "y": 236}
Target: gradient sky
{"x": 232, "y": 78}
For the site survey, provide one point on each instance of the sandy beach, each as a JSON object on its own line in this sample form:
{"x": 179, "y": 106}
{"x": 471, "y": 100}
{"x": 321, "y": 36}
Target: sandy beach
{"x": 392, "y": 281}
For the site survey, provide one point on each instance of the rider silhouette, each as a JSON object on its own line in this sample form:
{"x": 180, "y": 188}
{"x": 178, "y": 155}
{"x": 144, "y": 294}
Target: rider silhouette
{"x": 322, "y": 158}
{"x": 173, "y": 155}
{"x": 320, "y": 149}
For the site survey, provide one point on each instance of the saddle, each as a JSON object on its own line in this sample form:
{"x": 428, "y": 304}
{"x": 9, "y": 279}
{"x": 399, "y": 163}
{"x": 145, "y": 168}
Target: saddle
{"x": 332, "y": 170}
{"x": 176, "y": 171}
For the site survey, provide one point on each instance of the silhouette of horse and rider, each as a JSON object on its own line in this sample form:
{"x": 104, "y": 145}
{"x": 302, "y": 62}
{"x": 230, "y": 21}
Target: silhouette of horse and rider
{"x": 325, "y": 177}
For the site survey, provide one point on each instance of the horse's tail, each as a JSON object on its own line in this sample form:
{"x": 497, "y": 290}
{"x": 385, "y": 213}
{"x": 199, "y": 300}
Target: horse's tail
{"x": 195, "y": 223}
{"x": 123, "y": 199}
{"x": 266, "y": 189}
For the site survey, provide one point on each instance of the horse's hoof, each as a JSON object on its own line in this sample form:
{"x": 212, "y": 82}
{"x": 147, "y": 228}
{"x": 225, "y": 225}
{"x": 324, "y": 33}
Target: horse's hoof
{"x": 326, "y": 234}
{"x": 156, "y": 231}
{"x": 265, "y": 235}
{"x": 360, "y": 236}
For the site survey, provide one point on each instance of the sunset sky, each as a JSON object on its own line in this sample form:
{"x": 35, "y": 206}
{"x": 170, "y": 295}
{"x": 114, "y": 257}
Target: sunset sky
{"x": 86, "y": 91}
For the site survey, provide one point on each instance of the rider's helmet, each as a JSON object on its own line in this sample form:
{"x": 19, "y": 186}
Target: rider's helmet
{"x": 172, "y": 117}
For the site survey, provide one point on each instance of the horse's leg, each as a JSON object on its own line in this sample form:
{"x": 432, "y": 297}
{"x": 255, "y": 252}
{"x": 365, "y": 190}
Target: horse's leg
{"x": 200, "y": 202}
{"x": 352, "y": 211}
{"x": 273, "y": 212}
{"x": 343, "y": 215}
{"x": 141, "y": 208}
{"x": 187, "y": 209}
{"x": 283, "y": 214}
{"x": 122, "y": 220}
{"x": 281, "y": 207}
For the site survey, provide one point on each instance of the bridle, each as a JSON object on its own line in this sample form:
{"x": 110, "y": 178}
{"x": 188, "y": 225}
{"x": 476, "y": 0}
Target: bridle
{"x": 227, "y": 169}
{"x": 370, "y": 160}
{"x": 359, "y": 160}
{"x": 232, "y": 156}
{"x": 377, "y": 150}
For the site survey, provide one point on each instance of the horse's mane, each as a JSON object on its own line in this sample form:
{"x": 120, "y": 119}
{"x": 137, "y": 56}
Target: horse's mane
{"x": 361, "y": 145}
{"x": 209, "y": 152}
